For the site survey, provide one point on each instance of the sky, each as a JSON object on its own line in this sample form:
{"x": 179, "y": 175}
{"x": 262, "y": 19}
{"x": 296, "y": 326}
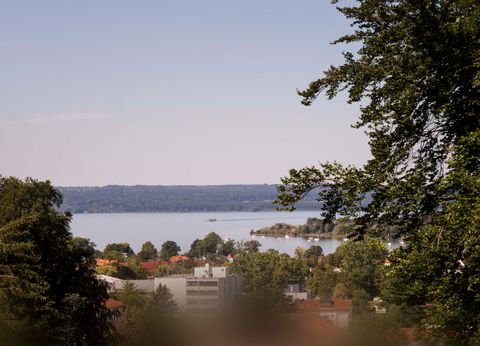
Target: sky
{"x": 178, "y": 92}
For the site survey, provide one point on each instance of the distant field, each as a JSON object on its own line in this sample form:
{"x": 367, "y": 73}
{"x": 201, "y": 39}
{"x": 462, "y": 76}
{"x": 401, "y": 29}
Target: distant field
{"x": 143, "y": 198}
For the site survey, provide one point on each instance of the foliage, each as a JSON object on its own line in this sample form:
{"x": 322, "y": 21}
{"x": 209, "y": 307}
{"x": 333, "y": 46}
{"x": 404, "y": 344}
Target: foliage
{"x": 266, "y": 275}
{"x": 150, "y": 317}
{"x": 312, "y": 255}
{"x": 316, "y": 225}
{"x": 169, "y": 249}
{"x": 249, "y": 246}
{"x": 340, "y": 291}
{"x": 133, "y": 264}
{"x": 162, "y": 302}
{"x": 227, "y": 248}
{"x": 48, "y": 282}
{"x": 323, "y": 281}
{"x": 299, "y": 252}
{"x": 109, "y": 270}
{"x": 354, "y": 266}
{"x": 132, "y": 297}
{"x": 417, "y": 74}
{"x": 116, "y": 248}
{"x": 118, "y": 199}
{"x": 413, "y": 114}
{"x": 209, "y": 246}
{"x": 446, "y": 253}
{"x": 135, "y": 301}
{"x": 114, "y": 255}
{"x": 148, "y": 251}
{"x": 360, "y": 300}
{"x": 312, "y": 227}
{"x": 181, "y": 267}
{"x": 362, "y": 263}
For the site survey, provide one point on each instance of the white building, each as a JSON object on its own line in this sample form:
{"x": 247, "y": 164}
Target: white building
{"x": 208, "y": 289}
{"x": 116, "y": 283}
{"x": 295, "y": 292}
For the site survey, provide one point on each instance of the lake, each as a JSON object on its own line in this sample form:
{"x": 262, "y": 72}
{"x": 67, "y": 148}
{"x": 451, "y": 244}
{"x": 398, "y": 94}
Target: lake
{"x": 184, "y": 228}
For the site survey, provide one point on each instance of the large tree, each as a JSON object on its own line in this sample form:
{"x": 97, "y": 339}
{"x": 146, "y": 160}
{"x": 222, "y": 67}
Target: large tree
{"x": 48, "y": 288}
{"x": 266, "y": 276}
{"x": 417, "y": 77}
{"x": 148, "y": 252}
{"x": 169, "y": 249}
{"x": 209, "y": 246}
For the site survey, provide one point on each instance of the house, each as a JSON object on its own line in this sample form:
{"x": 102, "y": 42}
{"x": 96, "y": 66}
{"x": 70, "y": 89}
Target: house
{"x": 339, "y": 311}
{"x": 295, "y": 292}
{"x": 116, "y": 305}
{"x": 175, "y": 259}
{"x": 151, "y": 267}
{"x": 208, "y": 289}
{"x": 377, "y": 306}
{"x": 101, "y": 262}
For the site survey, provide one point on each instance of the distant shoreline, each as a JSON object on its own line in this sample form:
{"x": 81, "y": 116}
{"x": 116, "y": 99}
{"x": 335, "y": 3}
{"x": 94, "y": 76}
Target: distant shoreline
{"x": 329, "y": 235}
{"x": 195, "y": 212}
{"x": 175, "y": 199}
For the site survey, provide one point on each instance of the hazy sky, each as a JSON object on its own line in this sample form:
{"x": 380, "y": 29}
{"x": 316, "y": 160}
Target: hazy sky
{"x": 169, "y": 92}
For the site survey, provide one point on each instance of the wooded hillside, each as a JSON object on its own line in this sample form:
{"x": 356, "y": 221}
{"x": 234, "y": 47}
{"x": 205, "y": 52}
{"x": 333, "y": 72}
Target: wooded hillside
{"x": 142, "y": 198}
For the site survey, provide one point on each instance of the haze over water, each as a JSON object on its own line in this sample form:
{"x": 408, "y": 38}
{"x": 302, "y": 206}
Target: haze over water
{"x": 184, "y": 228}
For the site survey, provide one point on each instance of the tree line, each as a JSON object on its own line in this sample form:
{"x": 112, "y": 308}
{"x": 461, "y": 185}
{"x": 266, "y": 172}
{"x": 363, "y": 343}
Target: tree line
{"x": 116, "y": 199}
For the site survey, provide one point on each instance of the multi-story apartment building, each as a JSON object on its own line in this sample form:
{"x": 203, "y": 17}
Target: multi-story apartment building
{"x": 208, "y": 289}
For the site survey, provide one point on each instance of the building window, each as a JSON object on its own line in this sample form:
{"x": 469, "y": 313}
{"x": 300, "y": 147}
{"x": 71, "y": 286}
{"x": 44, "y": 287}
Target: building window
{"x": 212, "y": 293}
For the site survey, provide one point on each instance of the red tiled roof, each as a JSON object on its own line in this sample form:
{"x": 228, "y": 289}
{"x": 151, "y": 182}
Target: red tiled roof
{"x": 149, "y": 265}
{"x": 104, "y": 262}
{"x": 112, "y": 304}
{"x": 175, "y": 259}
{"x": 318, "y": 305}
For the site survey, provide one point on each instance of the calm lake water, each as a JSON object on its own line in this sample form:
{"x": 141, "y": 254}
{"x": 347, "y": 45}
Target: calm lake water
{"x": 184, "y": 228}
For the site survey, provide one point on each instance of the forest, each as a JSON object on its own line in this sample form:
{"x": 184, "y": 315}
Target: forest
{"x": 143, "y": 198}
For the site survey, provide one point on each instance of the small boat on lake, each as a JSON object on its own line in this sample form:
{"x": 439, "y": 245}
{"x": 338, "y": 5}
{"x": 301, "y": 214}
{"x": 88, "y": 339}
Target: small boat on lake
{"x": 212, "y": 220}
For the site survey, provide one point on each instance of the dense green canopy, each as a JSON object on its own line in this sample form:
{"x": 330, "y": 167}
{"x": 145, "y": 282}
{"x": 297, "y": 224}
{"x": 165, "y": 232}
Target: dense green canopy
{"x": 416, "y": 76}
{"x": 48, "y": 290}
